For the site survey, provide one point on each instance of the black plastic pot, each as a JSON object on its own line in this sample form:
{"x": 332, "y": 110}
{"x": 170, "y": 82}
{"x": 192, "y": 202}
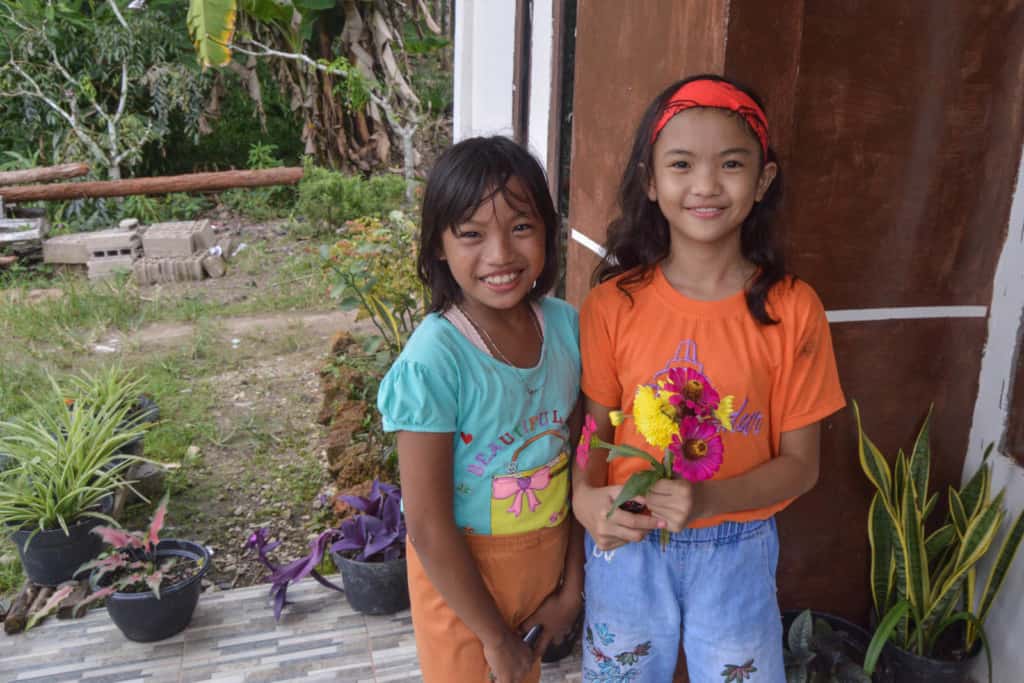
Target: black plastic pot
{"x": 374, "y": 587}
{"x": 145, "y": 411}
{"x": 908, "y": 667}
{"x": 143, "y": 617}
{"x": 51, "y": 557}
{"x": 854, "y": 642}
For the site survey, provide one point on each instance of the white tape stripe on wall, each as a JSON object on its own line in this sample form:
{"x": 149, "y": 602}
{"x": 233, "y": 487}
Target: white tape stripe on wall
{"x": 854, "y": 315}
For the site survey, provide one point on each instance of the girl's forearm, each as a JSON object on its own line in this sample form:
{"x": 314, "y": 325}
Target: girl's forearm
{"x": 779, "y": 479}
{"x": 453, "y": 572}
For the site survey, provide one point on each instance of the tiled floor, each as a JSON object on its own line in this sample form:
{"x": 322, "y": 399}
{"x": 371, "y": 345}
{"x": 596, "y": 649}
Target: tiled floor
{"x": 233, "y": 637}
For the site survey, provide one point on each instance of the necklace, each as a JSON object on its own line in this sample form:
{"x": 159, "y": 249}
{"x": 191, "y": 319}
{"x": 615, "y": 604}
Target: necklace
{"x": 496, "y": 351}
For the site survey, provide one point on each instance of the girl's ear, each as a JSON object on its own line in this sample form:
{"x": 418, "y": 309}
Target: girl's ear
{"x": 652, "y": 190}
{"x": 765, "y": 180}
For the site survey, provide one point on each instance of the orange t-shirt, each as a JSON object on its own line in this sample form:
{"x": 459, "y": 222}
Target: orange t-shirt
{"x": 782, "y": 377}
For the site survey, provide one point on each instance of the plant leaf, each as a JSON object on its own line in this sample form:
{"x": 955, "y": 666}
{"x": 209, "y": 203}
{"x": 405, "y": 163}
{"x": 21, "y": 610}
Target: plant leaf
{"x": 153, "y": 536}
{"x": 920, "y": 458}
{"x": 638, "y": 484}
{"x": 211, "y": 26}
{"x": 883, "y": 632}
{"x": 799, "y": 636}
{"x": 998, "y": 574}
{"x": 51, "y": 605}
{"x": 880, "y": 537}
{"x": 871, "y": 459}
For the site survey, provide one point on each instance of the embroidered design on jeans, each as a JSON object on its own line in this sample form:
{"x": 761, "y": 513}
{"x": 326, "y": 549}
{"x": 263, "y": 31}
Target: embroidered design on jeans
{"x": 612, "y": 668}
{"x": 736, "y": 673}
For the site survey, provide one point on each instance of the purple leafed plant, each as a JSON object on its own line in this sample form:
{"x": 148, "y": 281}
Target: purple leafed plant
{"x": 375, "y": 534}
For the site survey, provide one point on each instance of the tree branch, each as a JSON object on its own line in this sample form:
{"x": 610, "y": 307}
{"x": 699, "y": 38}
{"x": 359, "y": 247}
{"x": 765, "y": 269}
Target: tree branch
{"x": 117, "y": 13}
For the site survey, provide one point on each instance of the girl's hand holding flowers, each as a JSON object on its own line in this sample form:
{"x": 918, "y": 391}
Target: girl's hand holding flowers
{"x": 683, "y": 415}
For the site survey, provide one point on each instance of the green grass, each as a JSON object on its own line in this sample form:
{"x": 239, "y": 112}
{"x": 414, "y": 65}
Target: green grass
{"x": 11, "y": 575}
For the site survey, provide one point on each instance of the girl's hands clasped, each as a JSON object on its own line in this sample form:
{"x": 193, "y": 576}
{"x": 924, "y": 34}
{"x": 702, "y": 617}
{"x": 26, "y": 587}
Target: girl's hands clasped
{"x": 510, "y": 658}
{"x": 556, "y": 614}
{"x": 675, "y": 501}
{"x": 591, "y": 506}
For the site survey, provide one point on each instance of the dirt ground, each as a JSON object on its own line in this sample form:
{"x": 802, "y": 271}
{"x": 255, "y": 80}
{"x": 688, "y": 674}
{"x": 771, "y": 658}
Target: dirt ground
{"x": 264, "y": 462}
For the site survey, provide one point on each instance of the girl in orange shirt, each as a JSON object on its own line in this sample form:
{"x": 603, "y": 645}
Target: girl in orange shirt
{"x": 693, "y": 294}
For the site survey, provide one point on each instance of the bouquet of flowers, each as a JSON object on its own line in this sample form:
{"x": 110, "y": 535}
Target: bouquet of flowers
{"x": 684, "y": 416}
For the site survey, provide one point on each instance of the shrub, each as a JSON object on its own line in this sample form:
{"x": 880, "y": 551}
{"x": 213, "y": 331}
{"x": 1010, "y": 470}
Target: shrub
{"x": 327, "y": 199}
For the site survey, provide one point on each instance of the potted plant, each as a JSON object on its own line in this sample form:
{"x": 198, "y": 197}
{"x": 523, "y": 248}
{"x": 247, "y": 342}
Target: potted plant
{"x": 115, "y": 386}
{"x": 63, "y": 467}
{"x": 823, "y": 648}
{"x": 371, "y": 552}
{"x": 151, "y": 586}
{"x": 368, "y": 548}
{"x": 923, "y": 585}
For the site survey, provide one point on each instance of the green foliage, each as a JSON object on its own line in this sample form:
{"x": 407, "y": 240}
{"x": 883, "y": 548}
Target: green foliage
{"x": 353, "y": 88}
{"x": 372, "y": 268}
{"x": 62, "y": 460}
{"x": 177, "y": 206}
{"x": 260, "y": 203}
{"x": 327, "y": 199}
{"x": 237, "y": 126}
{"x": 928, "y": 580}
{"x": 83, "y": 87}
{"x": 211, "y": 26}
{"x": 816, "y": 653}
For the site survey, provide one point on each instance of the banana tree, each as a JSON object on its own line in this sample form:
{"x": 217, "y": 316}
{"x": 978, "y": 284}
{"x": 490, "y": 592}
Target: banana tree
{"x": 343, "y": 65}
{"x": 923, "y": 583}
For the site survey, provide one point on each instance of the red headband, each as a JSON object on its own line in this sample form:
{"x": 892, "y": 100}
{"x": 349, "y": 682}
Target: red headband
{"x": 721, "y": 95}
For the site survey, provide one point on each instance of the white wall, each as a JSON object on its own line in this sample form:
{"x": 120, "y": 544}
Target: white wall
{"x": 541, "y": 61}
{"x": 484, "y": 69}
{"x": 1005, "y": 622}
{"x": 484, "y": 54}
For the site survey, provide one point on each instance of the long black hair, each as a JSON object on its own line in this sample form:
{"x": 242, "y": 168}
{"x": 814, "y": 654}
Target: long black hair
{"x": 465, "y": 176}
{"x": 638, "y": 238}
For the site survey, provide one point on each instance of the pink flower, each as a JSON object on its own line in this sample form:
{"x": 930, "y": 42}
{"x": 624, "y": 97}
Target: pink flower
{"x": 691, "y": 389}
{"x": 697, "y": 450}
{"x": 583, "y": 448}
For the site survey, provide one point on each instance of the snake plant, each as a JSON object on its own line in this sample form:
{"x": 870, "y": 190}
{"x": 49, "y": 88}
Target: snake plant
{"x": 924, "y": 582}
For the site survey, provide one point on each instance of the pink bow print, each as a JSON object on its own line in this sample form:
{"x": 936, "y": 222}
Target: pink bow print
{"x": 506, "y": 487}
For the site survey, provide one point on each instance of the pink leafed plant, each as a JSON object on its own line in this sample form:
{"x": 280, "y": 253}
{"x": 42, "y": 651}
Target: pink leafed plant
{"x": 132, "y": 561}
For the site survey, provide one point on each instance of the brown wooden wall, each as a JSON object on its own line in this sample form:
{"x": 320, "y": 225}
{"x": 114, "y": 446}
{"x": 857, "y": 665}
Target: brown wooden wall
{"x": 899, "y": 127}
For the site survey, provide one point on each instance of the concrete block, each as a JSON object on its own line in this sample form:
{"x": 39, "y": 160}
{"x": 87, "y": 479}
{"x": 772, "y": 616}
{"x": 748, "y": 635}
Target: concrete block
{"x": 66, "y": 249}
{"x": 177, "y": 239}
{"x": 106, "y": 266}
{"x": 214, "y": 265}
{"x": 149, "y": 271}
{"x": 204, "y": 237}
{"x": 104, "y": 243}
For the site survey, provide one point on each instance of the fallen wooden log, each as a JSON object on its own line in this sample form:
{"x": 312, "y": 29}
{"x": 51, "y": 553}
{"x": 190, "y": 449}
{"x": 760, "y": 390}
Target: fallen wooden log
{"x": 17, "y": 616}
{"x": 41, "y": 174}
{"x": 191, "y": 182}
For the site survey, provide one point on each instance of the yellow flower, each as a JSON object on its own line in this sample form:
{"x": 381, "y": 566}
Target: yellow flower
{"x": 655, "y": 417}
{"x": 616, "y": 416}
{"x": 724, "y": 411}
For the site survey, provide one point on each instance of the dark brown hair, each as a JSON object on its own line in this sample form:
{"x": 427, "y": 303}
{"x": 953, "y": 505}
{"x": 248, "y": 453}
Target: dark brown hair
{"x": 465, "y": 176}
{"x": 638, "y": 239}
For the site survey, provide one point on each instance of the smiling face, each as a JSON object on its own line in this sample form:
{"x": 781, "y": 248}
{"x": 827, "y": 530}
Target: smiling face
{"x": 706, "y": 176}
{"x": 498, "y": 253}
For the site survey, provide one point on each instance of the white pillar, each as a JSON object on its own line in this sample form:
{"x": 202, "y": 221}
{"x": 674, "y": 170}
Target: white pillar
{"x": 1005, "y": 622}
{"x": 484, "y": 56}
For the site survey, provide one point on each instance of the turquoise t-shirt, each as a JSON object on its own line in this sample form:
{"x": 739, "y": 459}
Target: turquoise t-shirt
{"x": 510, "y": 439}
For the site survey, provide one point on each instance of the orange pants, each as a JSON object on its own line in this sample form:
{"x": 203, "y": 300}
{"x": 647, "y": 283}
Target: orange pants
{"x": 519, "y": 571}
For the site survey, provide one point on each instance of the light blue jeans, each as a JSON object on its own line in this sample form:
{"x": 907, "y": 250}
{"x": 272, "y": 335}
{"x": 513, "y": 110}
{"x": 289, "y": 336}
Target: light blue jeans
{"x": 715, "y": 587}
